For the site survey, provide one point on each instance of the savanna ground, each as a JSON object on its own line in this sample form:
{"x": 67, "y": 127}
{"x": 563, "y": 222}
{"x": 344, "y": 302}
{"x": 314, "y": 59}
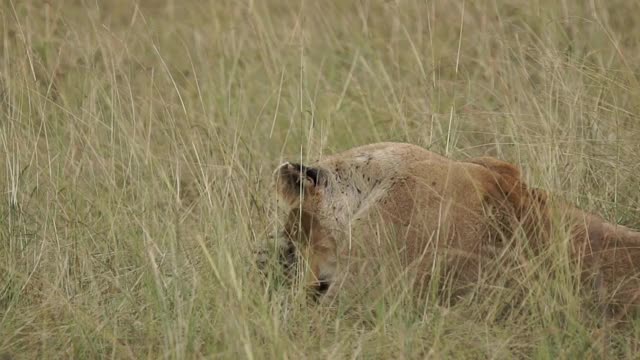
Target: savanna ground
{"x": 137, "y": 142}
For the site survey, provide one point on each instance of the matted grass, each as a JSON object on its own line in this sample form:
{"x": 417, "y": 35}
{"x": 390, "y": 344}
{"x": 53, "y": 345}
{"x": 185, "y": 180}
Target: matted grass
{"x": 137, "y": 141}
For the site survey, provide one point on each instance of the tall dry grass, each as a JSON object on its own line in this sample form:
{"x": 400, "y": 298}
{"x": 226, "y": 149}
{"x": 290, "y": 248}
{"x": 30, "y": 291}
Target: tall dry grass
{"x": 137, "y": 140}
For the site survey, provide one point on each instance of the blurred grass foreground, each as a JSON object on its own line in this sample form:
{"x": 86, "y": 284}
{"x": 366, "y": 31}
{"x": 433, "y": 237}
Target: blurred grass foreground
{"x": 138, "y": 138}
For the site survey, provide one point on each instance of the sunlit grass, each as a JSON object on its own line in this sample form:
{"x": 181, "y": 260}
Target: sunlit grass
{"x": 137, "y": 142}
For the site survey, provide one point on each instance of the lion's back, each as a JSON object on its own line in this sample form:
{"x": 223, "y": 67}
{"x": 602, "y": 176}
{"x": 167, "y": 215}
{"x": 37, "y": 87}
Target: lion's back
{"x": 420, "y": 189}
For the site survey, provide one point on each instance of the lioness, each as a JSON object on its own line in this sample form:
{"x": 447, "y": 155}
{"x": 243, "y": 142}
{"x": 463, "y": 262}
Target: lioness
{"x": 463, "y": 210}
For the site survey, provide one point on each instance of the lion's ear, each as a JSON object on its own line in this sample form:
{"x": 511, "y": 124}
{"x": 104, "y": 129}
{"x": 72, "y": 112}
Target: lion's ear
{"x": 294, "y": 179}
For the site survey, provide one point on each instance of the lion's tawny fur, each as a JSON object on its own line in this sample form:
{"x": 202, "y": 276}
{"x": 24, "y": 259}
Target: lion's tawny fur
{"x": 465, "y": 209}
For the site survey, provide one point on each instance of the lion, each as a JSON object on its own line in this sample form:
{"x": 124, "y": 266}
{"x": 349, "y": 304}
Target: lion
{"x": 460, "y": 212}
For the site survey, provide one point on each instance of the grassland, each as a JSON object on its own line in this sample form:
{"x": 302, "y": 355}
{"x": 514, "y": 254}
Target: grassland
{"x": 137, "y": 141}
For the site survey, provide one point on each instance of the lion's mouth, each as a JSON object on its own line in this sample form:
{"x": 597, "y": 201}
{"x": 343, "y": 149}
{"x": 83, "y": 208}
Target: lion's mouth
{"x": 321, "y": 288}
